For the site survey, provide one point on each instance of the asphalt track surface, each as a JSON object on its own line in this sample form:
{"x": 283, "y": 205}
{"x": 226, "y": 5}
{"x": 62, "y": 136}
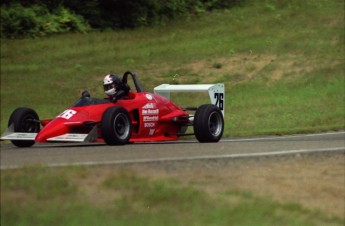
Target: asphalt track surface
{"x": 58, "y": 154}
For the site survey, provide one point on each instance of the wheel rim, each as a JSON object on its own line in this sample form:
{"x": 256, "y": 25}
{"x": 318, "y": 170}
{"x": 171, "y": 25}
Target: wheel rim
{"x": 29, "y": 125}
{"x": 215, "y": 124}
{"x": 121, "y": 126}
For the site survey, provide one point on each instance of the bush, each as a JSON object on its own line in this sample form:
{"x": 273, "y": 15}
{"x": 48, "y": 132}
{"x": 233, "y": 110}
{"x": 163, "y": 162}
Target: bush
{"x": 134, "y": 13}
{"x": 18, "y": 21}
{"x": 37, "y": 20}
{"x": 42, "y": 17}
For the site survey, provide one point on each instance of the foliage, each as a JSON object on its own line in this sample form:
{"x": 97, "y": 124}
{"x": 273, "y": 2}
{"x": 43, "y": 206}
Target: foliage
{"x": 37, "y": 17}
{"x": 134, "y": 13}
{"x": 20, "y": 21}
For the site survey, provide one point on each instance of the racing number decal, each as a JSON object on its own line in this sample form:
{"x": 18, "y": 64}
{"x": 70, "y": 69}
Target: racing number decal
{"x": 219, "y": 100}
{"x": 67, "y": 114}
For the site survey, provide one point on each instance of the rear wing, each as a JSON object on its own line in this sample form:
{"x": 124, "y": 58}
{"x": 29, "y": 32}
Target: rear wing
{"x": 216, "y": 92}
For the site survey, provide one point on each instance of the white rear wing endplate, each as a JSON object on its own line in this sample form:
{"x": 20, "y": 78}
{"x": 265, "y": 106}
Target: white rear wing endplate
{"x": 216, "y": 92}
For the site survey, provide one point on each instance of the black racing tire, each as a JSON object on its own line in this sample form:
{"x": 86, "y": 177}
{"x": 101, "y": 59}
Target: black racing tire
{"x": 116, "y": 126}
{"x": 24, "y": 120}
{"x": 208, "y": 123}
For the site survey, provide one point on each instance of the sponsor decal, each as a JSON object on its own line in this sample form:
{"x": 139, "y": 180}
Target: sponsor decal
{"x": 151, "y": 118}
{"x": 150, "y": 111}
{"x": 152, "y": 131}
{"x": 149, "y": 124}
{"x": 149, "y": 96}
{"x": 150, "y": 114}
{"x": 149, "y": 106}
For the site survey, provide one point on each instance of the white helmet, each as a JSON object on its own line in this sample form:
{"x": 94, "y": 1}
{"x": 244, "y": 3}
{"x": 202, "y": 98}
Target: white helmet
{"x": 111, "y": 83}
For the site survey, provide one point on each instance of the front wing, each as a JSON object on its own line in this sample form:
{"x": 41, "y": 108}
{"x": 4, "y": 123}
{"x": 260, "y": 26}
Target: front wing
{"x": 68, "y": 137}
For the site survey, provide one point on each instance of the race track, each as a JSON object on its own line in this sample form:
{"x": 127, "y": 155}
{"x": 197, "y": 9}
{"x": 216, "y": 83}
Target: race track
{"x": 53, "y": 155}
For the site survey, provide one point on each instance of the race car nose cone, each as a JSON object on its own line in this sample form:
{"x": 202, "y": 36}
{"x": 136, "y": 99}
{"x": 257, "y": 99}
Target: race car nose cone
{"x": 53, "y": 129}
{"x": 41, "y": 138}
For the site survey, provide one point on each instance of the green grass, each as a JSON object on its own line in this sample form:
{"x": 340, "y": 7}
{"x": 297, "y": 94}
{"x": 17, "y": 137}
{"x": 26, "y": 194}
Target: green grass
{"x": 286, "y": 107}
{"x": 281, "y": 62}
{"x": 123, "y": 197}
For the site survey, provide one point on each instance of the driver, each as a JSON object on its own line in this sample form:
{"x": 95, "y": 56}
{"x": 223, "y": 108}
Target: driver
{"x": 114, "y": 88}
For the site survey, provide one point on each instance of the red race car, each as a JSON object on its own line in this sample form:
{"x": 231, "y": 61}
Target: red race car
{"x": 142, "y": 117}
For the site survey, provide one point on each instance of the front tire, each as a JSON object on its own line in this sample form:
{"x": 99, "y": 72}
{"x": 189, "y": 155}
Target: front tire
{"x": 24, "y": 120}
{"x": 116, "y": 126}
{"x": 208, "y": 123}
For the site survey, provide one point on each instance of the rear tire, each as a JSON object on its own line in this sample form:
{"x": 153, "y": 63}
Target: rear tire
{"x": 116, "y": 126}
{"x": 208, "y": 123}
{"x": 24, "y": 120}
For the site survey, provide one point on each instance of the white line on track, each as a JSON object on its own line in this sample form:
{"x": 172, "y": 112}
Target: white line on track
{"x": 282, "y": 137}
{"x": 260, "y": 154}
{"x": 270, "y": 138}
{"x": 205, "y": 157}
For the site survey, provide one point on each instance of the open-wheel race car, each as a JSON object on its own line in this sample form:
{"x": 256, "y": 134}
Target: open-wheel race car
{"x": 141, "y": 117}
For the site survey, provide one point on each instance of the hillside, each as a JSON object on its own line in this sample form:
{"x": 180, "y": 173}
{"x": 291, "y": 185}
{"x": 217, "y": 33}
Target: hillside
{"x": 281, "y": 62}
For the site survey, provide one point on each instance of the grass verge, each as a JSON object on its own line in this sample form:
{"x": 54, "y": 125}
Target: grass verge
{"x": 281, "y": 62}
{"x": 90, "y": 196}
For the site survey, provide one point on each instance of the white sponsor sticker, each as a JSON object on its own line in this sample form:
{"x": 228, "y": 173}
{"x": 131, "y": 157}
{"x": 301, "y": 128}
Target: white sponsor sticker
{"x": 151, "y": 118}
{"x": 149, "y": 96}
{"x": 150, "y": 111}
{"x": 149, "y": 124}
{"x": 149, "y": 106}
{"x": 152, "y": 131}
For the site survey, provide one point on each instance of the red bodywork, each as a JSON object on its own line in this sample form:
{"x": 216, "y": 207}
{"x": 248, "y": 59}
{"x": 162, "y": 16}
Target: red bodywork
{"x": 153, "y": 118}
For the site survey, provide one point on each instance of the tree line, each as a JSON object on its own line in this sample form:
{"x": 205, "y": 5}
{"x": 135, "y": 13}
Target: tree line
{"x": 22, "y": 18}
